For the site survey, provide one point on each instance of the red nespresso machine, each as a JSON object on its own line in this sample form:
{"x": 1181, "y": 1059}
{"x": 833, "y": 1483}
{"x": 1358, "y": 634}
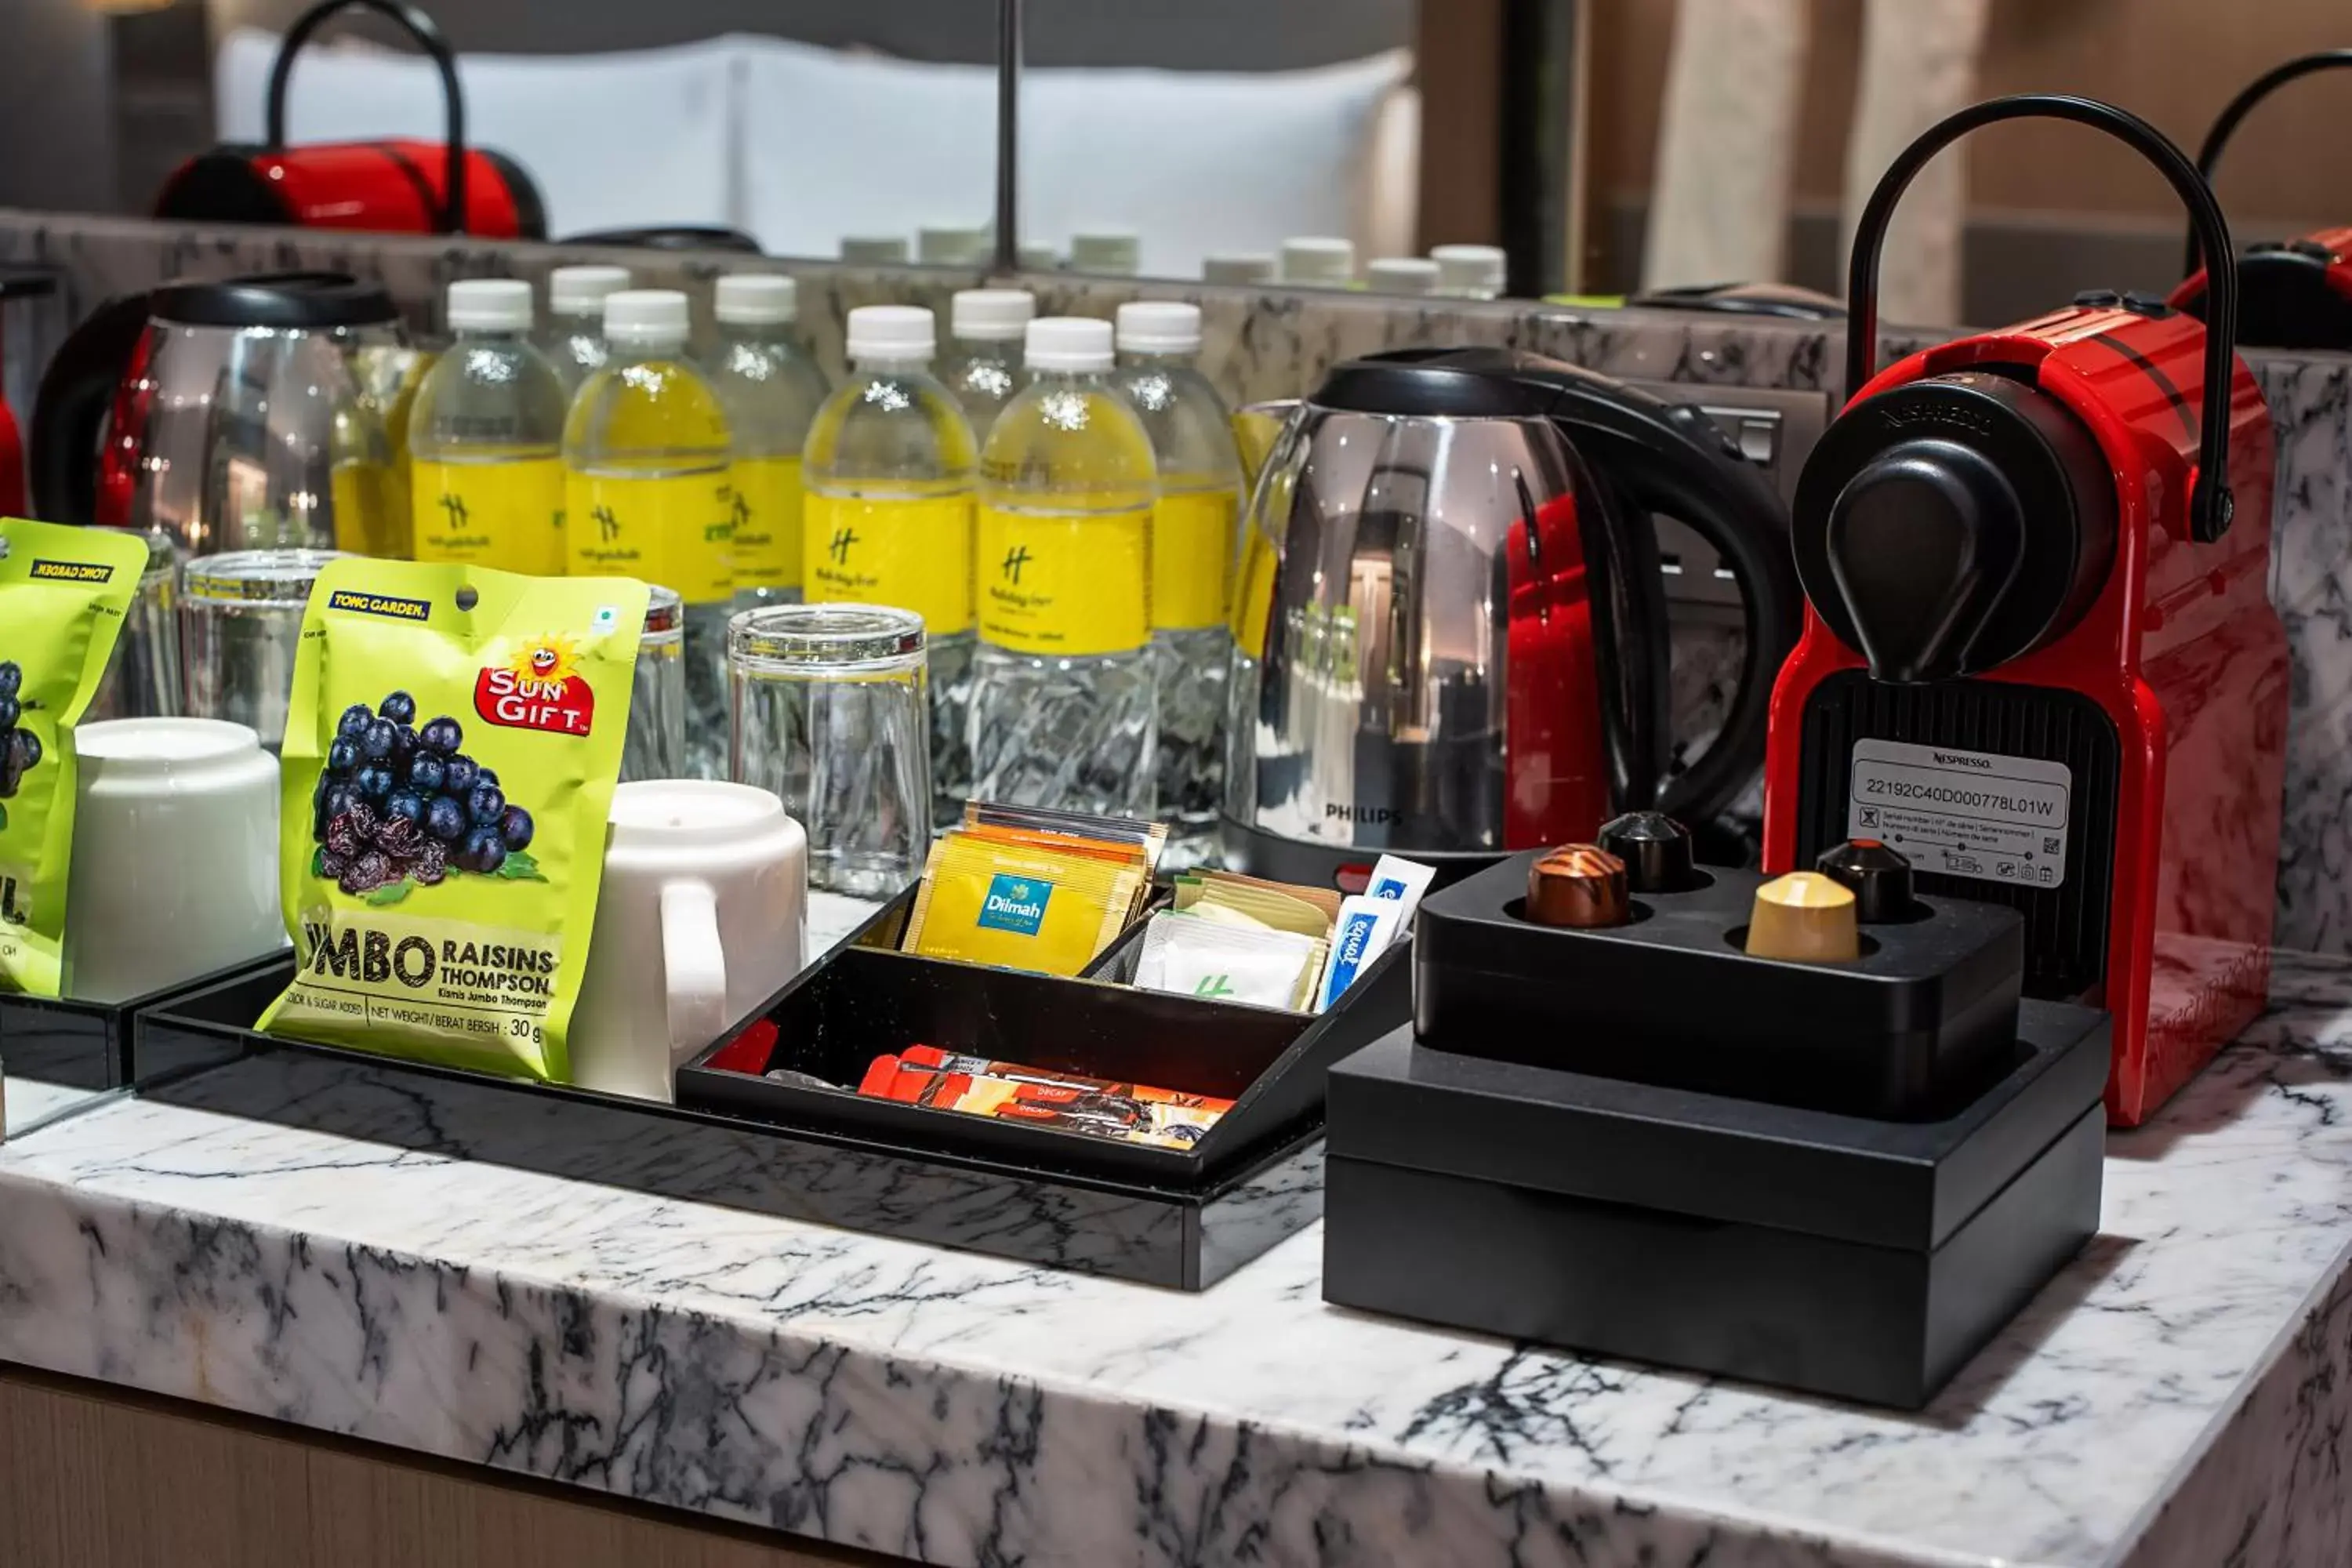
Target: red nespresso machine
{"x": 2039, "y": 658}
{"x": 389, "y": 186}
{"x": 2292, "y": 293}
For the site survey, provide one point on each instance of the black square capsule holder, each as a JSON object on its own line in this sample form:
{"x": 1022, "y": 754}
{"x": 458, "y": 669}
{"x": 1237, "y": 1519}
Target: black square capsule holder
{"x": 1918, "y": 1022}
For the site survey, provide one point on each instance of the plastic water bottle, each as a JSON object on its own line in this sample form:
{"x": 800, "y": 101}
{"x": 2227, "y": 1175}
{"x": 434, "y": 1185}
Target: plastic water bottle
{"x": 1192, "y": 560}
{"x": 486, "y": 439}
{"x": 887, "y": 518}
{"x": 1062, "y": 702}
{"x": 771, "y": 390}
{"x": 983, "y": 365}
{"x": 646, "y": 453}
{"x": 574, "y": 343}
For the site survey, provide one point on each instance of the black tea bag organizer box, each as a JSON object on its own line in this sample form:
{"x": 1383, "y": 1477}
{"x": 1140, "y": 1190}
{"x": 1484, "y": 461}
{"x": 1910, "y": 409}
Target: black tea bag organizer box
{"x": 1919, "y": 1023}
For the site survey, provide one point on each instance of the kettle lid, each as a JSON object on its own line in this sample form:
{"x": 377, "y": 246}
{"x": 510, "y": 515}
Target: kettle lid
{"x": 1472, "y": 384}
{"x": 295, "y": 300}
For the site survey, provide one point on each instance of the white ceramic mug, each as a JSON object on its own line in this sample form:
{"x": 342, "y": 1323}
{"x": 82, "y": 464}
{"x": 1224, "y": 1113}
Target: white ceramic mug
{"x": 697, "y": 923}
{"x": 174, "y": 856}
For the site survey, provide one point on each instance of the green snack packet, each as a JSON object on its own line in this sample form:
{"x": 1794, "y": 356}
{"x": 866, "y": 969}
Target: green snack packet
{"x": 63, "y": 595}
{"x": 452, "y": 744}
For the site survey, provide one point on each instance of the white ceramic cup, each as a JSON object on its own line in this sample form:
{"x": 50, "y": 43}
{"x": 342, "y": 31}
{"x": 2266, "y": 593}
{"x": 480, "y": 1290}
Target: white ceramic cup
{"x": 174, "y": 856}
{"x": 697, "y": 923}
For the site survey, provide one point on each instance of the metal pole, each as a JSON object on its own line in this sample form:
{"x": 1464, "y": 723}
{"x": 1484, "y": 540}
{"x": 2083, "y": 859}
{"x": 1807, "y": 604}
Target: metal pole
{"x": 1008, "y": 139}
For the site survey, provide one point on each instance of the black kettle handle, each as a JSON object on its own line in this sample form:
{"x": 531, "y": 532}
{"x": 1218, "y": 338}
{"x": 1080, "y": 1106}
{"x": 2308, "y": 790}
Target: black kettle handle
{"x": 2210, "y": 503}
{"x": 69, "y": 409}
{"x": 427, "y": 34}
{"x": 1628, "y": 600}
{"x": 2226, "y": 124}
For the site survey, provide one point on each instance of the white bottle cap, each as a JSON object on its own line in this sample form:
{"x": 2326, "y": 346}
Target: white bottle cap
{"x": 1469, "y": 269}
{"x": 1106, "y": 250}
{"x": 874, "y": 249}
{"x": 1401, "y": 275}
{"x": 891, "y": 332}
{"x": 1159, "y": 327}
{"x": 951, "y": 247}
{"x": 582, "y": 291}
{"x": 1240, "y": 267}
{"x": 647, "y": 316}
{"x": 756, "y": 299}
{"x": 992, "y": 315}
{"x": 1067, "y": 344}
{"x": 1040, "y": 258}
{"x": 490, "y": 305}
{"x": 1318, "y": 261}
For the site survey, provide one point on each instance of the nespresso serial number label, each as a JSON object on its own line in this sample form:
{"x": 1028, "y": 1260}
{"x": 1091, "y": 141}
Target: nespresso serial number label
{"x": 1963, "y": 813}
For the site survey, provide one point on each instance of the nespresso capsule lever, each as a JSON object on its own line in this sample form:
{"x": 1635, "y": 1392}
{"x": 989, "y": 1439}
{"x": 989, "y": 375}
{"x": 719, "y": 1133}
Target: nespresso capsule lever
{"x": 1577, "y": 885}
{"x": 1656, "y": 850}
{"x": 1803, "y": 916}
{"x": 1879, "y": 878}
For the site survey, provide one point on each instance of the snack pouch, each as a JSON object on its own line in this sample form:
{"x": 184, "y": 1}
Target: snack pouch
{"x": 451, "y": 747}
{"x": 63, "y": 595}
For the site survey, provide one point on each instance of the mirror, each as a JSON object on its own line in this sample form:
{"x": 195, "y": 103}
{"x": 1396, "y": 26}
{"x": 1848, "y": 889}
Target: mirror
{"x": 1398, "y": 146}
{"x": 823, "y": 129}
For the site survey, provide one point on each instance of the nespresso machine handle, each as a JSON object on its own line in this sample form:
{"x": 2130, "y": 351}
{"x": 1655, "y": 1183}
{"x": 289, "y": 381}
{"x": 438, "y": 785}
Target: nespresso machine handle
{"x": 427, "y": 35}
{"x": 2210, "y": 503}
{"x": 2226, "y": 124}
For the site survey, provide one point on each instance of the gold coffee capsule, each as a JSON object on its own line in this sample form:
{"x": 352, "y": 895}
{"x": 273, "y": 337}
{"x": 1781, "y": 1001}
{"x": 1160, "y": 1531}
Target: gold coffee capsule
{"x": 1803, "y": 916}
{"x": 1577, "y": 885}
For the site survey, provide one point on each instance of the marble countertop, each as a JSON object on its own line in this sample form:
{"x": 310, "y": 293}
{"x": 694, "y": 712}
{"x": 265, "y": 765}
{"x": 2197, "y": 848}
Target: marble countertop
{"x": 2177, "y": 1397}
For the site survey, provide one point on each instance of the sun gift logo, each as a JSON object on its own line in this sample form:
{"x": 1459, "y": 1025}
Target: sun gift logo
{"x": 541, "y": 689}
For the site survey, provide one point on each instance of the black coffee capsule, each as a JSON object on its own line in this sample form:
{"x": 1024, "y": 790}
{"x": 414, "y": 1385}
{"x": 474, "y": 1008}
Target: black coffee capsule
{"x": 1879, "y": 878}
{"x": 1656, "y": 850}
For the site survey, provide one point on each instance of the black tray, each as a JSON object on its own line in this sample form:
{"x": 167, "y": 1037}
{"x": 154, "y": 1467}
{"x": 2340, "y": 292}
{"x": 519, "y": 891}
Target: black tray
{"x": 864, "y": 1000}
{"x": 87, "y": 1044}
{"x": 1838, "y": 1255}
{"x": 1917, "y": 1022}
{"x": 920, "y": 1181}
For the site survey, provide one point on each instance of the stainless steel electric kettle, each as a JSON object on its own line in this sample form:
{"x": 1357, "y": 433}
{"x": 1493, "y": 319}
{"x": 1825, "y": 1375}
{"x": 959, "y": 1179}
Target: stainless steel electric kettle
{"x": 230, "y": 415}
{"x": 1449, "y": 620}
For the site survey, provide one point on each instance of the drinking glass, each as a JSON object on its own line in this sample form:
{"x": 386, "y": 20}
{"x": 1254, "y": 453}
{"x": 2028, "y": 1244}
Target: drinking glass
{"x": 241, "y": 622}
{"x": 830, "y": 712}
{"x": 142, "y": 678}
{"x": 656, "y": 747}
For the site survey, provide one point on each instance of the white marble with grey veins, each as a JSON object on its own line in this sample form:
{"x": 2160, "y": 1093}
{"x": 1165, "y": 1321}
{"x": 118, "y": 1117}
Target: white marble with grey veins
{"x": 2176, "y": 1399}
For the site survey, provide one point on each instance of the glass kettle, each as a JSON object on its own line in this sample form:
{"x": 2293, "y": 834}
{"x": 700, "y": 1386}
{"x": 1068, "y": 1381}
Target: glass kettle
{"x": 242, "y": 414}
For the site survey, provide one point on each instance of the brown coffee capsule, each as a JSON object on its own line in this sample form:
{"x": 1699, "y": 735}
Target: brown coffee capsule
{"x": 1803, "y": 916}
{"x": 1577, "y": 885}
{"x": 1880, "y": 877}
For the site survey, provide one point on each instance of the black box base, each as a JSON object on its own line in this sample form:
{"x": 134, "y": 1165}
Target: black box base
{"x": 1877, "y": 1295}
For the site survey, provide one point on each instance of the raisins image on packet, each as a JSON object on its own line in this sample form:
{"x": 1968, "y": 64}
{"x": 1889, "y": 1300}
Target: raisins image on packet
{"x": 400, "y": 804}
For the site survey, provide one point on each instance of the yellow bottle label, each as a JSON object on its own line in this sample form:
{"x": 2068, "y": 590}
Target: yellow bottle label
{"x": 507, "y": 515}
{"x": 1253, "y": 599}
{"x": 1191, "y": 550}
{"x": 1055, "y": 584}
{"x": 676, "y": 531}
{"x": 911, "y": 552}
{"x": 767, "y": 522}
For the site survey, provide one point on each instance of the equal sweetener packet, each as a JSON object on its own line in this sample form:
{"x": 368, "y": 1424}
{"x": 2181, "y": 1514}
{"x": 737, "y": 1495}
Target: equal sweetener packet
{"x": 63, "y": 595}
{"x": 452, "y": 744}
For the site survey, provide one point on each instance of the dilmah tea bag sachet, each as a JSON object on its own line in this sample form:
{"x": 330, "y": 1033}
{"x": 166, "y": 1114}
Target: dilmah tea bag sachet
{"x": 453, "y": 741}
{"x": 1030, "y": 888}
{"x": 63, "y": 595}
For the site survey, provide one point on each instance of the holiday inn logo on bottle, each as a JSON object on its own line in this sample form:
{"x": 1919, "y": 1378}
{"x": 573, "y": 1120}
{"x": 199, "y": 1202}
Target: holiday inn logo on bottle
{"x": 540, "y": 689}
{"x": 1016, "y": 904}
